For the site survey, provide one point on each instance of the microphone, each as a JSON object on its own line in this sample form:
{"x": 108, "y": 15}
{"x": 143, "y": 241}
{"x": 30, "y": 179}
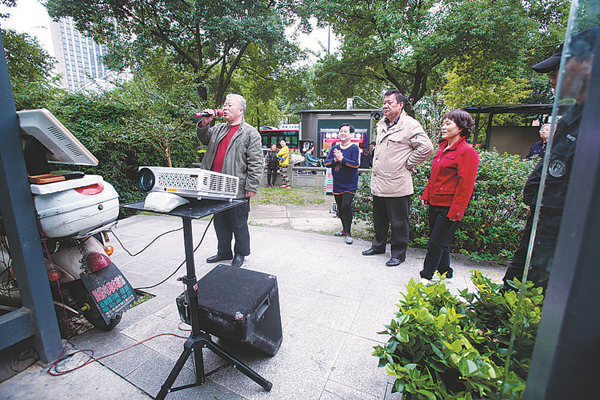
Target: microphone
{"x": 217, "y": 112}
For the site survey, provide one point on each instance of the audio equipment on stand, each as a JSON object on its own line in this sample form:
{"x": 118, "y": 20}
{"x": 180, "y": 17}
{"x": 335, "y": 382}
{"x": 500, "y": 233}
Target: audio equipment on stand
{"x": 199, "y": 339}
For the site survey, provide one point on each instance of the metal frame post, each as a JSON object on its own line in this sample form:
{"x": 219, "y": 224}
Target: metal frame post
{"x": 37, "y": 317}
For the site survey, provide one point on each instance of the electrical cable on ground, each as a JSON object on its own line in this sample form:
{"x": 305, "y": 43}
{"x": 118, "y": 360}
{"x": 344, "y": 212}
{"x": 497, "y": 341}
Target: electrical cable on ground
{"x": 91, "y": 359}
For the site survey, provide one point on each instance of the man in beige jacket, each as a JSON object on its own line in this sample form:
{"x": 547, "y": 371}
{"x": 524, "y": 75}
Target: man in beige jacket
{"x": 402, "y": 144}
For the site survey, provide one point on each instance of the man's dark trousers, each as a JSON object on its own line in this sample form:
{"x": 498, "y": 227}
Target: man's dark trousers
{"x": 441, "y": 231}
{"x": 392, "y": 211}
{"x": 229, "y": 223}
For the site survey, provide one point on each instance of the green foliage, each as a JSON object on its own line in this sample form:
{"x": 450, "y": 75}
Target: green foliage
{"x": 490, "y": 229}
{"x": 442, "y": 346}
{"x": 410, "y": 45}
{"x": 209, "y": 39}
{"x": 103, "y": 124}
{"x": 29, "y": 67}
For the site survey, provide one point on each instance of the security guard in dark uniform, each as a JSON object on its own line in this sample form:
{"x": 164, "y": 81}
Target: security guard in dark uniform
{"x": 575, "y": 83}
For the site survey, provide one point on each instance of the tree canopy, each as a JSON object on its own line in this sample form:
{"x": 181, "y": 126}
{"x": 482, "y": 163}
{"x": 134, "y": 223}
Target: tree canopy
{"x": 410, "y": 44}
{"x": 210, "y": 38}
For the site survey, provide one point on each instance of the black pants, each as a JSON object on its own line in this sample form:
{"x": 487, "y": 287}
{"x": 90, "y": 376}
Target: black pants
{"x": 543, "y": 249}
{"x": 229, "y": 223}
{"x": 394, "y": 212}
{"x": 344, "y": 206}
{"x": 441, "y": 232}
{"x": 271, "y": 176}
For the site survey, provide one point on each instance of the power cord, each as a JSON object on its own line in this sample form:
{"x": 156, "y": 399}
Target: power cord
{"x": 148, "y": 245}
{"x": 180, "y": 265}
{"x": 53, "y": 370}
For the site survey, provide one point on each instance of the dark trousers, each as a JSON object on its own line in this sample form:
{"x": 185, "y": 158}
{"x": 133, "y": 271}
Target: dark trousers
{"x": 394, "y": 212}
{"x": 229, "y": 223}
{"x": 441, "y": 232}
{"x": 271, "y": 176}
{"x": 344, "y": 206}
{"x": 543, "y": 249}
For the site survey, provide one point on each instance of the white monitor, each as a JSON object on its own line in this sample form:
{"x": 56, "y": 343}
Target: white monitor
{"x": 64, "y": 148}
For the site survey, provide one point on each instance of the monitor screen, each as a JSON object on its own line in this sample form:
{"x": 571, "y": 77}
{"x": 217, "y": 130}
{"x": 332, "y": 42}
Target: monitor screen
{"x": 63, "y": 147}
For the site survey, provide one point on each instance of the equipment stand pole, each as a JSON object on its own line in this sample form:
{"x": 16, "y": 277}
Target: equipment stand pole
{"x": 198, "y": 339}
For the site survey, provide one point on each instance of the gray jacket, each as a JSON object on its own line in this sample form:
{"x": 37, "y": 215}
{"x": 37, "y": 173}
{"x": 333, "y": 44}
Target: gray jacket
{"x": 243, "y": 158}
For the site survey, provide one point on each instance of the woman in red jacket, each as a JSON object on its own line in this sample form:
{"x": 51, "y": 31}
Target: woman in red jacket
{"x": 453, "y": 172}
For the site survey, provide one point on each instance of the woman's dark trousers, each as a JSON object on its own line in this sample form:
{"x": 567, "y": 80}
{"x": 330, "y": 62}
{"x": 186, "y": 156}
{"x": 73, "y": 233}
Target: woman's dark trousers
{"x": 344, "y": 206}
{"x": 271, "y": 176}
{"x": 438, "y": 251}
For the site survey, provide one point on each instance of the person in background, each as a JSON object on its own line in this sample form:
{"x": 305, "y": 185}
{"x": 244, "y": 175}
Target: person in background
{"x": 539, "y": 147}
{"x": 453, "y": 173}
{"x": 343, "y": 161}
{"x": 272, "y": 164}
{"x": 366, "y": 159}
{"x": 284, "y": 160}
{"x": 402, "y": 144}
{"x": 234, "y": 148}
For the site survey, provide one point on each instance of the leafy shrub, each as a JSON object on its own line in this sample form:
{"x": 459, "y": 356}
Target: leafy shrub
{"x": 445, "y": 347}
{"x": 490, "y": 229}
{"x": 103, "y": 125}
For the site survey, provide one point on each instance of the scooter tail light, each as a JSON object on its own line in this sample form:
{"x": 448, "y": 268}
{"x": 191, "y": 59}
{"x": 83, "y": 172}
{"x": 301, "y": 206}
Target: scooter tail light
{"x": 91, "y": 189}
{"x": 53, "y": 276}
{"x": 109, "y": 250}
{"x": 97, "y": 261}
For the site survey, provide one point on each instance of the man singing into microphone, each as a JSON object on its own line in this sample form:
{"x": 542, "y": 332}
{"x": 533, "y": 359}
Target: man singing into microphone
{"x": 234, "y": 148}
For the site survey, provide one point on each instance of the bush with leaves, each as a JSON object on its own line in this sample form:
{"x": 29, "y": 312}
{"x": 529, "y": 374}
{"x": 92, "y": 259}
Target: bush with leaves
{"x": 490, "y": 229}
{"x": 446, "y": 347}
{"x": 104, "y": 125}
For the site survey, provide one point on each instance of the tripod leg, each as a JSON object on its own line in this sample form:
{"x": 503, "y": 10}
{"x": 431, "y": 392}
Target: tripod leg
{"x": 240, "y": 366}
{"x": 164, "y": 389}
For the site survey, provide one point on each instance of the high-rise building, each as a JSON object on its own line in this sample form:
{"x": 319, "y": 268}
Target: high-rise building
{"x": 79, "y": 57}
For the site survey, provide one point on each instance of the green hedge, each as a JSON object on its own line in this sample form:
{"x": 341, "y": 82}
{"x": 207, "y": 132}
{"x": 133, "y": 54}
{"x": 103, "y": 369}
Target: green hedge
{"x": 102, "y": 125}
{"x": 490, "y": 229}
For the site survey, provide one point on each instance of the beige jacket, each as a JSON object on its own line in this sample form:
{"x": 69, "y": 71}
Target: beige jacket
{"x": 398, "y": 149}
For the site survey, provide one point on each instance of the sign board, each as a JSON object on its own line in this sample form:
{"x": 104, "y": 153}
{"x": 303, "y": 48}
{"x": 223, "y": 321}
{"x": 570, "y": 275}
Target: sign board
{"x": 328, "y": 184}
{"x": 328, "y": 130}
{"x": 110, "y": 290}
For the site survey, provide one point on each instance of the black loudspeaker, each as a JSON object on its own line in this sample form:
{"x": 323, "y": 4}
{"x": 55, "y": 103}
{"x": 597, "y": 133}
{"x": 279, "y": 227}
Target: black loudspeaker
{"x": 240, "y": 305}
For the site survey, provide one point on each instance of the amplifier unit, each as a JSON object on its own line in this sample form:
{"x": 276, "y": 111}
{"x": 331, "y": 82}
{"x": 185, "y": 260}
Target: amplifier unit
{"x": 188, "y": 182}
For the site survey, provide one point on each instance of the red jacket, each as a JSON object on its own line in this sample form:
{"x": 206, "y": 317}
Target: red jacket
{"x": 453, "y": 174}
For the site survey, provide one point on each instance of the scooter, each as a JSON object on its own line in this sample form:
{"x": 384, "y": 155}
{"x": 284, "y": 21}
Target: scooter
{"x": 69, "y": 263}
{"x": 74, "y": 212}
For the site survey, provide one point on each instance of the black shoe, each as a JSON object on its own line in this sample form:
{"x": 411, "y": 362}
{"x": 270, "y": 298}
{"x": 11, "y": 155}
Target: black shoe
{"x": 237, "y": 261}
{"x": 217, "y": 258}
{"x": 392, "y": 262}
{"x": 371, "y": 252}
{"x": 340, "y": 233}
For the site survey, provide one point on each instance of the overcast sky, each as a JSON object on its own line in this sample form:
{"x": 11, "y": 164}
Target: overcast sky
{"x": 30, "y": 16}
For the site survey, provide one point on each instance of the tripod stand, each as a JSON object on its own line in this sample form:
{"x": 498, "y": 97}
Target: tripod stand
{"x": 199, "y": 339}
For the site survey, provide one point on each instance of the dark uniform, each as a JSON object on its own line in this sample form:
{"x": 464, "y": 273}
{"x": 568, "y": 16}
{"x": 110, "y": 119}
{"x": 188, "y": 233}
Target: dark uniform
{"x": 553, "y": 200}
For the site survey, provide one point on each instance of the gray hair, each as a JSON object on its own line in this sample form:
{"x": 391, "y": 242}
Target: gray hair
{"x": 239, "y": 98}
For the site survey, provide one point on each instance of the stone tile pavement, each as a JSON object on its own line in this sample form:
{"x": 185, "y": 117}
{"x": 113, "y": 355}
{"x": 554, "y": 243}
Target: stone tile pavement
{"x": 333, "y": 303}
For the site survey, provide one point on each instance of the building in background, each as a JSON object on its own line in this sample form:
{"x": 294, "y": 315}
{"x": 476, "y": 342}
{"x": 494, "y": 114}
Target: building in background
{"x": 79, "y": 57}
